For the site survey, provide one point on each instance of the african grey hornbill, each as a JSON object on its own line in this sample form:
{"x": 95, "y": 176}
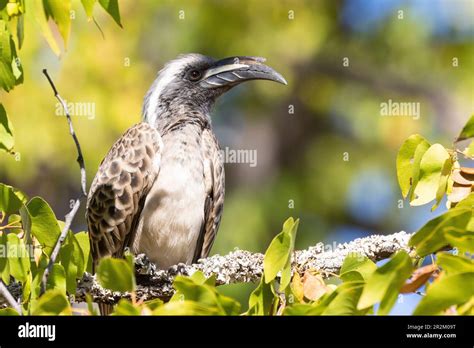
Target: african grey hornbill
{"x": 160, "y": 189}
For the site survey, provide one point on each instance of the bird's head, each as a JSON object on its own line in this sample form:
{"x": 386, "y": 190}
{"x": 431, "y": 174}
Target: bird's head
{"x": 194, "y": 80}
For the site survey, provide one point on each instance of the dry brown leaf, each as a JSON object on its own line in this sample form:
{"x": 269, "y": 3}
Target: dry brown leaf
{"x": 459, "y": 192}
{"x": 313, "y": 286}
{"x": 418, "y": 278}
{"x": 462, "y": 177}
{"x": 467, "y": 170}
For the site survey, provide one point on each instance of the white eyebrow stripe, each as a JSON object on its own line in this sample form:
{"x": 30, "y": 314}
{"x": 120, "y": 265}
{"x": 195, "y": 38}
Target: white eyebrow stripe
{"x": 164, "y": 77}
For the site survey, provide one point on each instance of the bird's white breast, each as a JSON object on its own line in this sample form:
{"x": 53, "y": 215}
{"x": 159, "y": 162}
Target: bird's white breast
{"x": 173, "y": 213}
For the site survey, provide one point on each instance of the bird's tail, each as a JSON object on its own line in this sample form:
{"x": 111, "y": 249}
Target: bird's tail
{"x": 105, "y": 308}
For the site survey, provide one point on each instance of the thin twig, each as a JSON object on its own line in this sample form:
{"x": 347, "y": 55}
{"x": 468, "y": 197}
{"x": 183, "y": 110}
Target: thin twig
{"x": 9, "y": 297}
{"x": 70, "y": 216}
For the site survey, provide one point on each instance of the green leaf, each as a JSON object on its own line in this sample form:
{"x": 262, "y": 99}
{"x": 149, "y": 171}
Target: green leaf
{"x": 445, "y": 292}
{"x": 116, "y": 275}
{"x": 72, "y": 259}
{"x": 344, "y": 300}
{"x": 11, "y": 72}
{"x": 467, "y": 202}
{"x": 4, "y": 266}
{"x": 125, "y": 307}
{"x": 44, "y": 225}
{"x": 11, "y": 199}
{"x": 356, "y": 267}
{"x": 6, "y": 131}
{"x": 40, "y": 17}
{"x": 468, "y": 130}
{"x": 469, "y": 151}
{"x": 408, "y": 163}
{"x": 59, "y": 11}
{"x": 443, "y": 182}
{"x": 88, "y": 7}
{"x": 196, "y": 289}
{"x": 53, "y": 302}
{"x": 184, "y": 308}
{"x": 90, "y": 305}
{"x": 278, "y": 255}
{"x": 154, "y": 304}
{"x": 57, "y": 278}
{"x": 432, "y": 236}
{"x": 84, "y": 243}
{"x": 18, "y": 257}
{"x": 299, "y": 309}
{"x": 384, "y": 284}
{"x": 112, "y": 8}
{"x": 8, "y": 312}
{"x": 460, "y": 238}
{"x": 453, "y": 264}
{"x": 431, "y": 167}
{"x": 262, "y": 299}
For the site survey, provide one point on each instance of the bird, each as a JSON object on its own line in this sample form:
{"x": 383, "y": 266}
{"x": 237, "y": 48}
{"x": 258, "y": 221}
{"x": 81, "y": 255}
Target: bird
{"x": 160, "y": 188}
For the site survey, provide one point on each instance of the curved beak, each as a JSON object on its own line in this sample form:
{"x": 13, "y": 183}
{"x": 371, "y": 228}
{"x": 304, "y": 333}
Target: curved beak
{"x": 234, "y": 70}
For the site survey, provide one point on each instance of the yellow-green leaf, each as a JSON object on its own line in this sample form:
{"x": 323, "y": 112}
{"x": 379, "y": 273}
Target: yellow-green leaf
{"x": 432, "y": 236}
{"x": 112, "y": 8}
{"x": 443, "y": 182}
{"x": 53, "y": 302}
{"x": 18, "y": 257}
{"x": 357, "y": 267}
{"x": 6, "y": 131}
{"x": 453, "y": 264}
{"x": 460, "y": 238}
{"x": 261, "y": 300}
{"x": 59, "y": 11}
{"x": 384, "y": 284}
{"x": 11, "y": 71}
{"x": 11, "y": 199}
{"x": 431, "y": 166}
{"x": 278, "y": 255}
{"x": 88, "y": 7}
{"x": 8, "y": 312}
{"x": 84, "y": 243}
{"x": 445, "y": 292}
{"x": 44, "y": 225}
{"x": 408, "y": 163}
{"x": 468, "y": 130}
{"x": 37, "y": 10}
{"x": 72, "y": 259}
{"x": 57, "y": 278}
{"x": 116, "y": 275}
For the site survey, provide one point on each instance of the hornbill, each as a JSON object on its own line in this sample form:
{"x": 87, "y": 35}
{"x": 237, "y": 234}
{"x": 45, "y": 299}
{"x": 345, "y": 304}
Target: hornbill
{"x": 160, "y": 189}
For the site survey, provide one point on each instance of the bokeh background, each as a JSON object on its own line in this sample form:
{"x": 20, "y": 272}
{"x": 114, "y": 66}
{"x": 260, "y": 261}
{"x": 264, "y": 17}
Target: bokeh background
{"x": 303, "y": 169}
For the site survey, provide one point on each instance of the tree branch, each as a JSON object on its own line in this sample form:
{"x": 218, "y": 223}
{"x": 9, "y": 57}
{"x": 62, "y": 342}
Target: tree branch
{"x": 70, "y": 216}
{"x": 4, "y": 291}
{"x": 242, "y": 266}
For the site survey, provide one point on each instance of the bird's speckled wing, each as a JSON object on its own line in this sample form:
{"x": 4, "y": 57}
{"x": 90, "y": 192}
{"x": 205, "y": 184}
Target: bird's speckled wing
{"x": 215, "y": 188}
{"x": 119, "y": 189}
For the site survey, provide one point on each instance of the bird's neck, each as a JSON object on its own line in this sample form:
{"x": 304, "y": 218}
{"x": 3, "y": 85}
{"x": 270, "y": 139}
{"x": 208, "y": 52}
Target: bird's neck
{"x": 168, "y": 114}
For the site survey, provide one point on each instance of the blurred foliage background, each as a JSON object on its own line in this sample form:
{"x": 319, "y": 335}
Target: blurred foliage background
{"x": 330, "y": 163}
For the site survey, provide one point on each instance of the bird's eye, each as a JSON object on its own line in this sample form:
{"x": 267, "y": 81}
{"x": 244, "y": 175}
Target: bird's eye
{"x": 194, "y": 75}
